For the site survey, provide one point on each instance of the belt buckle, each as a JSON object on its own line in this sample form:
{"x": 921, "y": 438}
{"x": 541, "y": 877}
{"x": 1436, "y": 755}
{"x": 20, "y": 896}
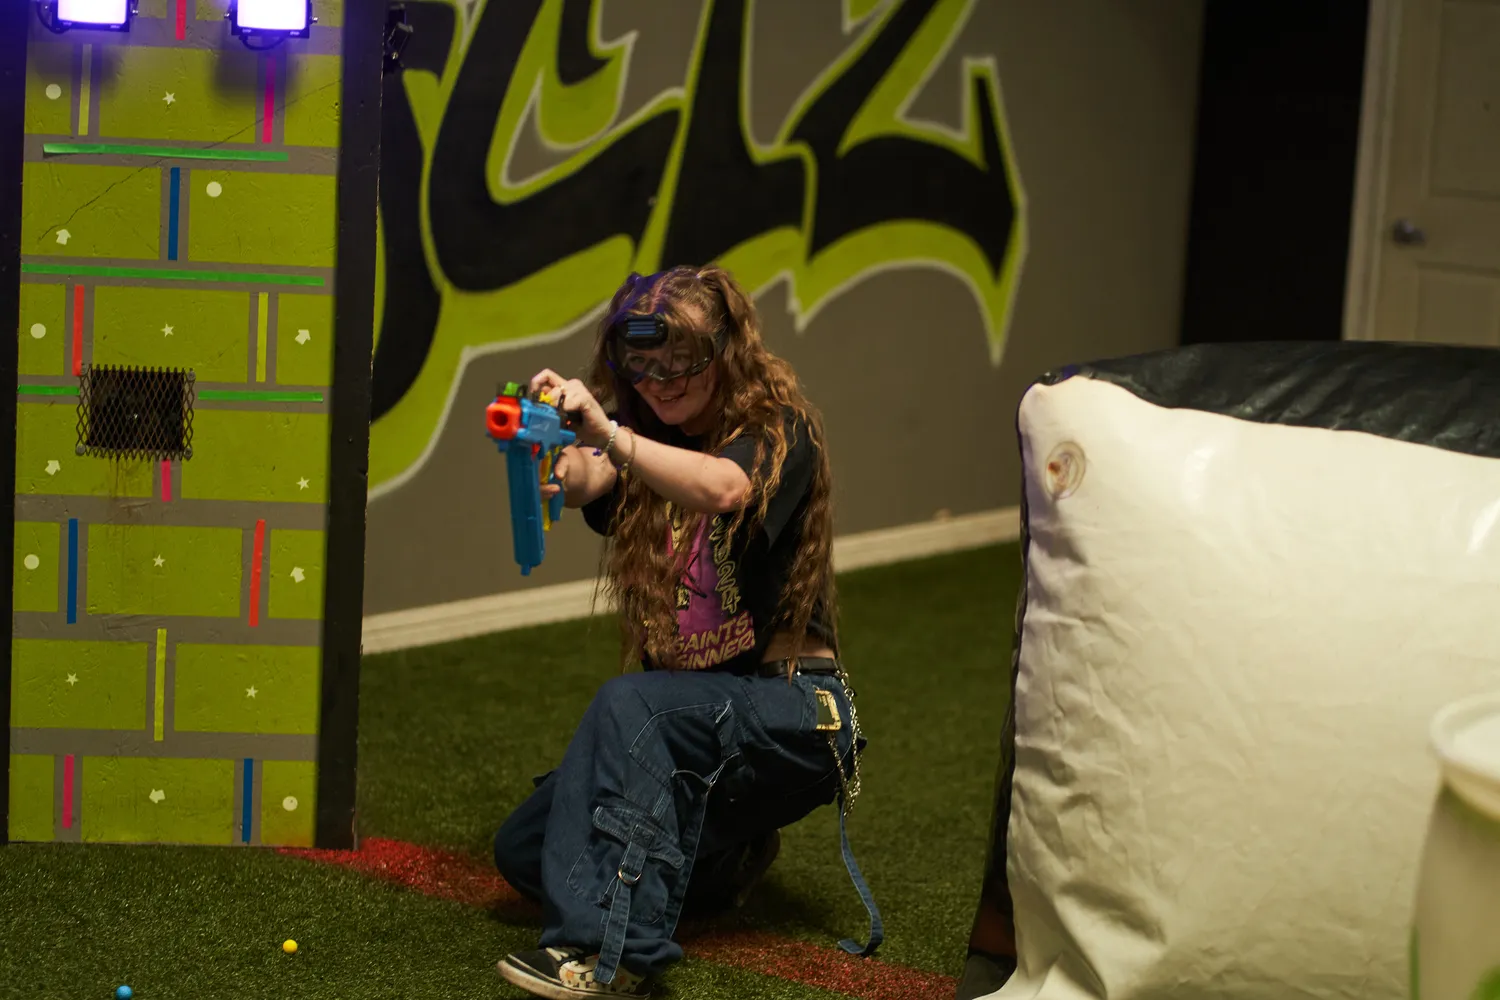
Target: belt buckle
{"x": 829, "y": 719}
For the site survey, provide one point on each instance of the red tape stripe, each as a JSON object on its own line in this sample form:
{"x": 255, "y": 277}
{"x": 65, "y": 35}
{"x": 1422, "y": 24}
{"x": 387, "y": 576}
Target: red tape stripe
{"x": 77, "y": 330}
{"x": 256, "y": 555}
{"x": 266, "y": 131}
{"x": 67, "y": 810}
{"x": 181, "y": 19}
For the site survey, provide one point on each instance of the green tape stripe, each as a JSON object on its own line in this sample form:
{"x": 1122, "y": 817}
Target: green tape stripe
{"x": 236, "y": 395}
{"x": 168, "y": 152}
{"x": 171, "y": 274}
{"x": 261, "y": 395}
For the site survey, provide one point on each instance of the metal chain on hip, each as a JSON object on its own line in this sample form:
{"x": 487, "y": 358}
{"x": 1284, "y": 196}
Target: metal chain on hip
{"x": 848, "y": 782}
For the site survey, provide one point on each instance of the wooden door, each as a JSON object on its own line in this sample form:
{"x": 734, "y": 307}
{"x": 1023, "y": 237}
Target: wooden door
{"x": 1438, "y": 277}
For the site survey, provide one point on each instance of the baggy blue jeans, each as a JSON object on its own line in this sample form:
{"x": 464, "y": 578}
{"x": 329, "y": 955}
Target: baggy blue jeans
{"x": 665, "y": 767}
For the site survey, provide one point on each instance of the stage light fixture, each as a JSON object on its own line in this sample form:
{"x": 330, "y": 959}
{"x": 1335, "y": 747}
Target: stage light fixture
{"x": 266, "y": 23}
{"x": 94, "y": 15}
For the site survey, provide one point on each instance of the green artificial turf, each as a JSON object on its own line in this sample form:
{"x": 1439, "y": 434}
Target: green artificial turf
{"x": 201, "y": 923}
{"x": 450, "y": 738}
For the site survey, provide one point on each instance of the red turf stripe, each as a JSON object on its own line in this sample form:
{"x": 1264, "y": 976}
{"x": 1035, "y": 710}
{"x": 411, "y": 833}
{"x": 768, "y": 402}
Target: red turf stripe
{"x": 464, "y": 880}
{"x": 431, "y": 872}
{"x": 822, "y": 967}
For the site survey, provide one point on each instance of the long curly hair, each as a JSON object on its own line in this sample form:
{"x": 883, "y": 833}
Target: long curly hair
{"x": 753, "y": 391}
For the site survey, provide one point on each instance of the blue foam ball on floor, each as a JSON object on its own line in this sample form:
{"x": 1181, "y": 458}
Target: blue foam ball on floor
{"x": 124, "y": 993}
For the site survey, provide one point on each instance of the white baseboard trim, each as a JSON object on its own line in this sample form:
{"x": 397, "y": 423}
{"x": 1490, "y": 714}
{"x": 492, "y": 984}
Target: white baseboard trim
{"x": 567, "y": 601}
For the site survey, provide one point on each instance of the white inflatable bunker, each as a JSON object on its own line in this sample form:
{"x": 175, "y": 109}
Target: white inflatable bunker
{"x": 1253, "y": 574}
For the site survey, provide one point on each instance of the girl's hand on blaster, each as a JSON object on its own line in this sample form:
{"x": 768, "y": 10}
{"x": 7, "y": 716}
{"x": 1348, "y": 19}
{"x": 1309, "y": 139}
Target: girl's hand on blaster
{"x": 574, "y": 398}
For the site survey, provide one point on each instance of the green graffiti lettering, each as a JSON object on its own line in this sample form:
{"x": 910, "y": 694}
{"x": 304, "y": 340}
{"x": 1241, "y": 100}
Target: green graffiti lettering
{"x": 477, "y": 260}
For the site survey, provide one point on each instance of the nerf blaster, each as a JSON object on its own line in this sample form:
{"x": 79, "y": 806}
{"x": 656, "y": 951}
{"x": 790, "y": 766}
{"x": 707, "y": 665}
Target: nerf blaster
{"x": 532, "y": 433}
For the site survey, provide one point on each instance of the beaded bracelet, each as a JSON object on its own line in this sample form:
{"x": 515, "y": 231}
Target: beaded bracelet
{"x": 626, "y": 467}
{"x": 614, "y": 428}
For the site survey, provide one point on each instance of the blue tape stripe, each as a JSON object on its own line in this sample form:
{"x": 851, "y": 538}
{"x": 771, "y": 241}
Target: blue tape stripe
{"x": 72, "y": 571}
{"x": 173, "y": 200}
{"x": 245, "y": 814}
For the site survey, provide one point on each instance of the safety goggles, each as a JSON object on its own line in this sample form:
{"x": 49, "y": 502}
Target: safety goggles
{"x": 642, "y": 347}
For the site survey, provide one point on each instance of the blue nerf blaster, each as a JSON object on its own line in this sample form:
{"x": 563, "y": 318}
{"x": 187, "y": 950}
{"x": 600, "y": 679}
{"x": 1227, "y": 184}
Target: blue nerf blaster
{"x": 531, "y": 432}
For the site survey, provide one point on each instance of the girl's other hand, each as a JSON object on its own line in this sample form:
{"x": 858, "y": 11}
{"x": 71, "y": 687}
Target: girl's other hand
{"x": 560, "y": 471}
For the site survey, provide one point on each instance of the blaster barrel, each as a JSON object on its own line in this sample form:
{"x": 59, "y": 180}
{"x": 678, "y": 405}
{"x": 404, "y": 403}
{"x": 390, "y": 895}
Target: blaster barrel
{"x": 502, "y": 418}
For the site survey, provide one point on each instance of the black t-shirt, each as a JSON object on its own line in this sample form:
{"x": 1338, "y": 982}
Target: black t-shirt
{"x": 729, "y": 603}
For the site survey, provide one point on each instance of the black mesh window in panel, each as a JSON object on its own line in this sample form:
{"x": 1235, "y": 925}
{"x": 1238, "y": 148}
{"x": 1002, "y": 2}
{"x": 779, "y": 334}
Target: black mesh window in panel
{"x": 135, "y": 413}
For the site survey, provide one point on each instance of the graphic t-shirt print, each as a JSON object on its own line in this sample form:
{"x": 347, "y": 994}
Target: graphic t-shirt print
{"x": 712, "y": 625}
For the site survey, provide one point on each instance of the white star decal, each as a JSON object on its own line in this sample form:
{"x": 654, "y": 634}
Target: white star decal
{"x": 302, "y": 483}
{"x": 170, "y": 98}
{"x": 158, "y": 561}
{"x": 72, "y": 679}
{"x": 250, "y": 692}
{"x": 166, "y": 331}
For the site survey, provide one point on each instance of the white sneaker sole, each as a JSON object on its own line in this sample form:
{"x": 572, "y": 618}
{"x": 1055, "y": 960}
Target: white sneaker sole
{"x": 528, "y": 979}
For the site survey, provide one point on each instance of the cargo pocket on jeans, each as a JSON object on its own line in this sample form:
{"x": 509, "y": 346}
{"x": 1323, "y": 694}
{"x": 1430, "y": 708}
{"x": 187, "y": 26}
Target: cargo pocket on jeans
{"x": 597, "y": 869}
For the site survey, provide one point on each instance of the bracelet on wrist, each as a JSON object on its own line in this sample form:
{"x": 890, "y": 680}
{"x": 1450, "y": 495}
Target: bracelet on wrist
{"x": 614, "y": 428}
{"x": 625, "y": 467}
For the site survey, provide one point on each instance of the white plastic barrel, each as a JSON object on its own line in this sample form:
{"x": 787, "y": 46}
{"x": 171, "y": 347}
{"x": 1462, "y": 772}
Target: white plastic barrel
{"x": 1456, "y": 937}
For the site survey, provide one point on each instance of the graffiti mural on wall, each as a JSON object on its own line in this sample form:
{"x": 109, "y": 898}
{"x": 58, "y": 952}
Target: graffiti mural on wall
{"x": 475, "y": 260}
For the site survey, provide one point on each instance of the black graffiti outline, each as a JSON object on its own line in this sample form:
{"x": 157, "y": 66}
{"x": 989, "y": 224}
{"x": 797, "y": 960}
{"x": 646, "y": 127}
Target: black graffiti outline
{"x": 923, "y": 182}
{"x": 412, "y": 302}
{"x": 576, "y": 61}
{"x": 484, "y": 245}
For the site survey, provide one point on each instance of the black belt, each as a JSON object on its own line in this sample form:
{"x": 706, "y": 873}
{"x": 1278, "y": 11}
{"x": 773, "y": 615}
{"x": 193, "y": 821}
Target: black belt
{"x": 806, "y": 665}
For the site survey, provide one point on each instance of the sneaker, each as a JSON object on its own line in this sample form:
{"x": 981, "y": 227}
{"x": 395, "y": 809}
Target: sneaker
{"x": 563, "y": 973}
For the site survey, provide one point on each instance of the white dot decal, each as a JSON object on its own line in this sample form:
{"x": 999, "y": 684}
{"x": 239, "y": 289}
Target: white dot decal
{"x": 31, "y": 562}
{"x": 38, "y": 331}
{"x": 214, "y": 189}
{"x": 53, "y": 91}
{"x": 289, "y": 803}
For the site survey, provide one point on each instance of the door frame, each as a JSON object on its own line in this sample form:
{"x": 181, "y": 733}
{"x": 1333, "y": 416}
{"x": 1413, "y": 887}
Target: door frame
{"x": 1367, "y": 223}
